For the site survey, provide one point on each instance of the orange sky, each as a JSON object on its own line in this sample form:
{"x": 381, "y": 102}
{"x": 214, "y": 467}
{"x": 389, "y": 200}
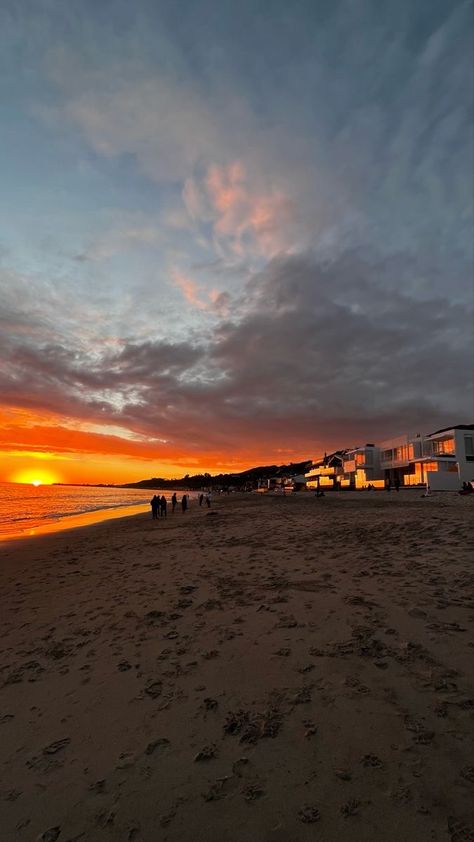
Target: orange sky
{"x": 51, "y": 448}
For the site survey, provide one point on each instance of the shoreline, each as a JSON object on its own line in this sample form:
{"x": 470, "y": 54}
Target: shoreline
{"x": 70, "y": 522}
{"x": 241, "y": 674}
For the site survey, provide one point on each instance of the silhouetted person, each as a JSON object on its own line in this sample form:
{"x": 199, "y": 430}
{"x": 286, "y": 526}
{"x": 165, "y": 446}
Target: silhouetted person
{"x": 397, "y": 484}
{"x": 201, "y": 498}
{"x": 174, "y": 502}
{"x": 387, "y": 484}
{"x": 467, "y": 488}
{"x": 163, "y": 506}
{"x": 184, "y": 503}
{"x": 208, "y": 499}
{"x": 154, "y": 507}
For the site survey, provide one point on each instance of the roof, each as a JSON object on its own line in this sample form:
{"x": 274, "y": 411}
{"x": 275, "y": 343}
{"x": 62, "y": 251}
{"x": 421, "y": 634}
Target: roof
{"x": 453, "y": 427}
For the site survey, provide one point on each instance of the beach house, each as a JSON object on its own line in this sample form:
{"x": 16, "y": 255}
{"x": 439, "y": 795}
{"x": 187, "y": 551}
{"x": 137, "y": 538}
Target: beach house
{"x": 443, "y": 459}
{"x": 361, "y": 467}
{"x": 326, "y": 472}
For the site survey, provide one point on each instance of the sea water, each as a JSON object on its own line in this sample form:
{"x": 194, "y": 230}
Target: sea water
{"x": 24, "y": 509}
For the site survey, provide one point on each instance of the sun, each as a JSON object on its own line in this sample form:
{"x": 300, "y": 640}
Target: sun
{"x": 35, "y": 477}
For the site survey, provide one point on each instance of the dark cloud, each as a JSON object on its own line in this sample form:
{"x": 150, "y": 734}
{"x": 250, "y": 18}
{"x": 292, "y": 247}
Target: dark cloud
{"x": 313, "y": 354}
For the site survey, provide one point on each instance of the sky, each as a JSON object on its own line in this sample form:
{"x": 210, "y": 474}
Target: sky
{"x": 231, "y": 234}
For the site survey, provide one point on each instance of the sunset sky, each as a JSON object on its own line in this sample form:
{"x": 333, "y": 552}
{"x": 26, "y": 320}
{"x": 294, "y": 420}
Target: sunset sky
{"x": 231, "y": 233}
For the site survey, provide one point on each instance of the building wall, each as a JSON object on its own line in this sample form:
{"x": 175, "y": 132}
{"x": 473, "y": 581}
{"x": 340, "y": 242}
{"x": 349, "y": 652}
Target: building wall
{"x": 443, "y": 480}
{"x": 466, "y": 466}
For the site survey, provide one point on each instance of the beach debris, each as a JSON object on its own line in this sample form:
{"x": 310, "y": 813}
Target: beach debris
{"x": 49, "y": 835}
{"x": 351, "y": 807}
{"x": 58, "y": 745}
{"x": 210, "y": 704}
{"x": 153, "y": 689}
{"x": 123, "y": 666}
{"x": 210, "y": 654}
{"x": 308, "y": 814}
{"x": 160, "y": 743}
{"x": 206, "y": 753}
{"x": 283, "y": 652}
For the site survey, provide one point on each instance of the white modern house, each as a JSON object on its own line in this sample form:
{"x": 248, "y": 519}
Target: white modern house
{"x": 443, "y": 459}
{"x": 361, "y": 467}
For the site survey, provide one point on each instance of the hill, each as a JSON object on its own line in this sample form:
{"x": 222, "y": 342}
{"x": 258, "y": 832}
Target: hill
{"x": 249, "y": 478}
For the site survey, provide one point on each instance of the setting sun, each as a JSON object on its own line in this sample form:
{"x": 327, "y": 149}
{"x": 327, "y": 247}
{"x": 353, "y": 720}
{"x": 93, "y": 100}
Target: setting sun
{"x": 35, "y": 477}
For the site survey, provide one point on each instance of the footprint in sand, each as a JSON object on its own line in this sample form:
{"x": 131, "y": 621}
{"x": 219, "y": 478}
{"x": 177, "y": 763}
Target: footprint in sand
{"x": 309, "y": 814}
{"x": 49, "y": 835}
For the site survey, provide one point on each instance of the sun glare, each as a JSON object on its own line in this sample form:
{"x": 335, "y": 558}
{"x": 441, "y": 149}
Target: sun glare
{"x": 35, "y": 477}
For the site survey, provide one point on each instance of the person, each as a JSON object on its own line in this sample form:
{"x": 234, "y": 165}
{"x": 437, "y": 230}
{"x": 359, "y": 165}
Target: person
{"x": 154, "y": 507}
{"x": 208, "y": 499}
{"x": 163, "y": 506}
{"x": 184, "y": 503}
{"x": 467, "y": 488}
{"x": 387, "y": 484}
{"x": 174, "y": 501}
{"x": 319, "y": 493}
{"x": 397, "y": 484}
{"x": 201, "y": 498}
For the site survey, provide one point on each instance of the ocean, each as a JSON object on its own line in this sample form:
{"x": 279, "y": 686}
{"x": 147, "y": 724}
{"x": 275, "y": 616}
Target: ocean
{"x": 26, "y": 510}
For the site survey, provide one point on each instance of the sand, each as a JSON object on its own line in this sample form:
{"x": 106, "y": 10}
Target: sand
{"x": 273, "y": 670}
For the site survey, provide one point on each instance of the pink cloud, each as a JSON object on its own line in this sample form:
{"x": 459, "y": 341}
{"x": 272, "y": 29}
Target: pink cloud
{"x": 245, "y": 219}
{"x": 200, "y": 297}
{"x": 189, "y": 288}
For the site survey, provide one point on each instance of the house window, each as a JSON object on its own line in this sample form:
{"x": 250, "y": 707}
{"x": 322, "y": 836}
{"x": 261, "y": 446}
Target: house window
{"x": 443, "y": 446}
{"x": 469, "y": 448}
{"x": 387, "y": 456}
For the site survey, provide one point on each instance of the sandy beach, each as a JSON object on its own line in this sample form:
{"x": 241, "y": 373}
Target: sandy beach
{"x": 272, "y": 670}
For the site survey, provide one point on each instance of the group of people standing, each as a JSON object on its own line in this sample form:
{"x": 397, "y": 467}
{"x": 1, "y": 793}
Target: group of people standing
{"x": 159, "y": 505}
{"x": 205, "y": 498}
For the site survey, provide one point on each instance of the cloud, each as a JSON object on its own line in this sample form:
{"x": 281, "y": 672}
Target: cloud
{"x": 247, "y": 221}
{"x": 314, "y": 355}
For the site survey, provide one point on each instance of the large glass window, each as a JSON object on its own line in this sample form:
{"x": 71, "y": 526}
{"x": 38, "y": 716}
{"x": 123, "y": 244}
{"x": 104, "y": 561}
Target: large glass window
{"x": 469, "y": 448}
{"x": 443, "y": 446}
